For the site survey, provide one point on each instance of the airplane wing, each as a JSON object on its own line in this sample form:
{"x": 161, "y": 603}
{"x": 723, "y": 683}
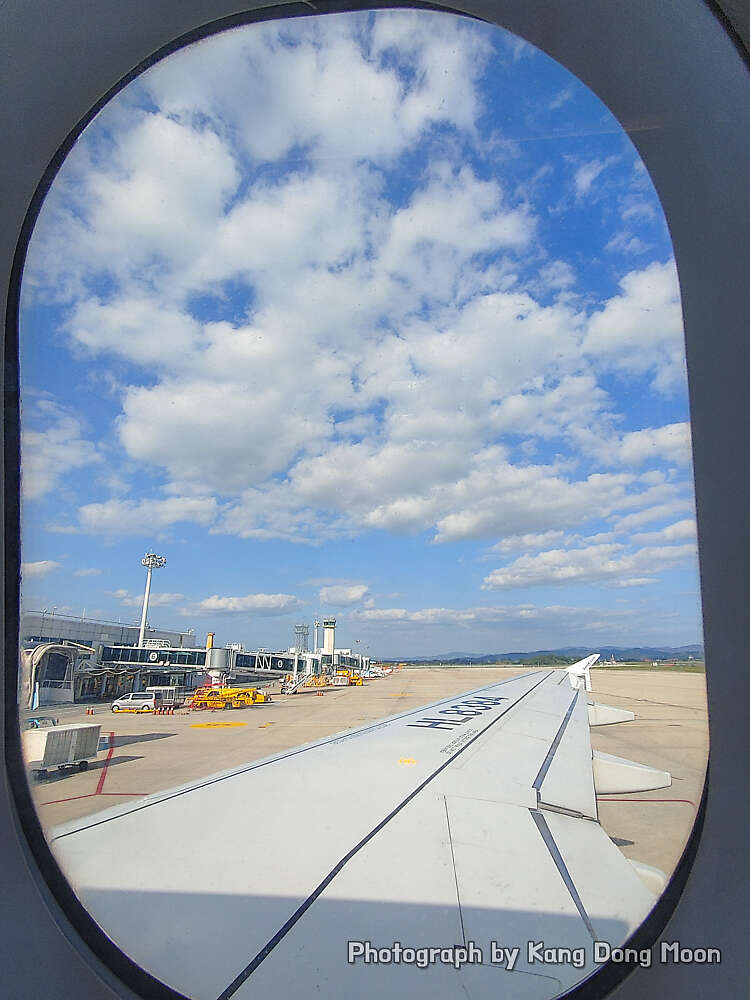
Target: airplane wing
{"x": 470, "y": 823}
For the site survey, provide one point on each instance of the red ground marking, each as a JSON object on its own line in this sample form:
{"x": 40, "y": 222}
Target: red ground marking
{"x": 72, "y": 798}
{"x": 603, "y": 798}
{"x": 103, "y": 777}
{"x": 100, "y": 785}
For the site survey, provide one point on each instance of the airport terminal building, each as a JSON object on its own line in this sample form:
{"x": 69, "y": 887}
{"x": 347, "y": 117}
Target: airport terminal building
{"x": 61, "y": 662}
{"x": 66, "y": 659}
{"x": 47, "y": 626}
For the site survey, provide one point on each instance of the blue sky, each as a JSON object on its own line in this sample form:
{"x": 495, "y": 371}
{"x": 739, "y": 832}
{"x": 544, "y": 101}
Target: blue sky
{"x": 370, "y": 315}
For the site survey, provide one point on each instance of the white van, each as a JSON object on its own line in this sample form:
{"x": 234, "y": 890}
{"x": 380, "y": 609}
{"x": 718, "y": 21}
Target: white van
{"x": 137, "y": 701}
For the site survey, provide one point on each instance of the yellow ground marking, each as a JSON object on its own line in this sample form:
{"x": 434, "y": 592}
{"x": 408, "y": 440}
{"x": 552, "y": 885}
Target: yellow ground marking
{"x": 409, "y": 761}
{"x": 216, "y": 725}
{"x": 263, "y": 726}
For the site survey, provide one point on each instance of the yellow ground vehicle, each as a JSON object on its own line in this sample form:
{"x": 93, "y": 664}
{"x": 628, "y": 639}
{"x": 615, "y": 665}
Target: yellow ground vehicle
{"x": 317, "y": 680}
{"x": 353, "y": 676}
{"x": 227, "y": 697}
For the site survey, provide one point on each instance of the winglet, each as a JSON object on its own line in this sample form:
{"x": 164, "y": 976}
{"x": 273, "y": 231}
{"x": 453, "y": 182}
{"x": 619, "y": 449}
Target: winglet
{"x": 579, "y": 675}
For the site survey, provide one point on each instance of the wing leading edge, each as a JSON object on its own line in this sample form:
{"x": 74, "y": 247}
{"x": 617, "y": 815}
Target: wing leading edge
{"x": 470, "y": 821}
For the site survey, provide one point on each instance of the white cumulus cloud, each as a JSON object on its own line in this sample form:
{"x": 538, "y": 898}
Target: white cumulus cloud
{"x": 41, "y": 568}
{"x": 48, "y": 455}
{"x": 157, "y": 598}
{"x": 608, "y": 561}
{"x": 587, "y": 173}
{"x": 677, "y": 532}
{"x": 670, "y": 443}
{"x": 522, "y": 543}
{"x": 138, "y": 517}
{"x": 342, "y": 595}
{"x": 640, "y": 330}
{"x": 258, "y": 604}
{"x": 657, "y": 512}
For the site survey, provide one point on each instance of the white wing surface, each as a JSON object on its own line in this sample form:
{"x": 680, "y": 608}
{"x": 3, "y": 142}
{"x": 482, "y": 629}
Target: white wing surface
{"x": 469, "y": 822}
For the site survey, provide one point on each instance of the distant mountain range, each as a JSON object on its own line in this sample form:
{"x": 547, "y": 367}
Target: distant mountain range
{"x": 626, "y": 653}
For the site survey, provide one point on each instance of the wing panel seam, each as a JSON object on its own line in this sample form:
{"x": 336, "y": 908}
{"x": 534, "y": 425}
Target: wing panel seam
{"x": 537, "y": 784}
{"x": 557, "y": 857}
{"x": 455, "y": 873}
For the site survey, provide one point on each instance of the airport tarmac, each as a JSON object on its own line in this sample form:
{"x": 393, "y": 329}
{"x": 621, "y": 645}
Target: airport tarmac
{"x": 143, "y": 754}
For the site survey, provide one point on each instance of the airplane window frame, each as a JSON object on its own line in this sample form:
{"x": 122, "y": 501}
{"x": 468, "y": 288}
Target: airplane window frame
{"x": 559, "y": 43}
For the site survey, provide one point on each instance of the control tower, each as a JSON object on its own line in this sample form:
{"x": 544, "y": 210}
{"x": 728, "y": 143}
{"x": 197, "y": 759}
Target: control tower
{"x": 329, "y": 634}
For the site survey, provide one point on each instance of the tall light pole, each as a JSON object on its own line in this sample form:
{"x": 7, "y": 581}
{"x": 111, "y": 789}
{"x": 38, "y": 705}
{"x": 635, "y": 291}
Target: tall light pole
{"x": 151, "y": 561}
{"x": 316, "y": 625}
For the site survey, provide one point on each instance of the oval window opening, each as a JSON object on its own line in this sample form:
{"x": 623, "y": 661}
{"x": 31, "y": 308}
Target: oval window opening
{"x": 366, "y": 329}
